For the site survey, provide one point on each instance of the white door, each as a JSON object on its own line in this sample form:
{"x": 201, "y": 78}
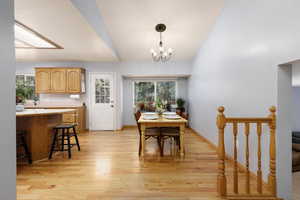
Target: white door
{"x": 102, "y": 101}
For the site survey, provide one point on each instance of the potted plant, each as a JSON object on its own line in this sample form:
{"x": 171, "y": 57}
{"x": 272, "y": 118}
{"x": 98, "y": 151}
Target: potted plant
{"x": 180, "y": 105}
{"x": 160, "y": 106}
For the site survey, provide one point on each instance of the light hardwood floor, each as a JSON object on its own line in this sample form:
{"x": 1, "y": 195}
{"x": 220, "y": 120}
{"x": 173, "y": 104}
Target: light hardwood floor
{"x": 296, "y": 186}
{"x": 108, "y": 167}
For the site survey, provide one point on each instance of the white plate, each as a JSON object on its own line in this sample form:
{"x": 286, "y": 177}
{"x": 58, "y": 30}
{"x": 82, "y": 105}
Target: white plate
{"x": 169, "y": 113}
{"x": 150, "y": 117}
{"x": 172, "y": 117}
{"x": 149, "y": 113}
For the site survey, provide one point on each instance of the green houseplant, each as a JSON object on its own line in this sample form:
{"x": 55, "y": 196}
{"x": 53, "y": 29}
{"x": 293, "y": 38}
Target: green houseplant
{"x": 180, "y": 105}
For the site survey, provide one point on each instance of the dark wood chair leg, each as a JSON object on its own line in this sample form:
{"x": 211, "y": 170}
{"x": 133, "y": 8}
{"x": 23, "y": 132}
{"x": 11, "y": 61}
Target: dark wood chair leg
{"x": 69, "y": 143}
{"x": 28, "y": 154}
{"x": 162, "y": 146}
{"x": 140, "y": 147}
{"x": 76, "y": 138}
{"x": 53, "y": 144}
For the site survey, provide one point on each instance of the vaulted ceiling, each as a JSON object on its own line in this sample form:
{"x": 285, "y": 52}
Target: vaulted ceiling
{"x": 114, "y": 30}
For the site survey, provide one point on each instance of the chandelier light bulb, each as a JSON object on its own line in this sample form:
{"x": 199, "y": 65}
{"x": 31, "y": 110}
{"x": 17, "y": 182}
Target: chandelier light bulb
{"x": 163, "y": 54}
{"x": 161, "y": 49}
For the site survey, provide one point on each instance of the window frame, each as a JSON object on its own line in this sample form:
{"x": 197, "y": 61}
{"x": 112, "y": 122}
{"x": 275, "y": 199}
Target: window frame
{"x": 155, "y": 87}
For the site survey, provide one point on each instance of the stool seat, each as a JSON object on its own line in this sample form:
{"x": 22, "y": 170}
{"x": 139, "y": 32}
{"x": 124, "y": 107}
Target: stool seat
{"x": 65, "y": 126}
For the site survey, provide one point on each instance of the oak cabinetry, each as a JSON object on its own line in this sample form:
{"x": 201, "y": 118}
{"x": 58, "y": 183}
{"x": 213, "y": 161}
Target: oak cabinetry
{"x": 78, "y": 116}
{"x": 60, "y": 80}
{"x": 76, "y": 80}
{"x": 42, "y": 80}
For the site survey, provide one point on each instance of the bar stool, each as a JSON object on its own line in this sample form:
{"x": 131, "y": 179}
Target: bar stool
{"x": 64, "y": 136}
{"x": 21, "y": 142}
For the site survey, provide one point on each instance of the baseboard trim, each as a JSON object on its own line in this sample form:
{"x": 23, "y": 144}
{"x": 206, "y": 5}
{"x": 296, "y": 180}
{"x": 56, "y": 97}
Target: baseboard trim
{"x": 241, "y": 167}
{"x": 128, "y": 127}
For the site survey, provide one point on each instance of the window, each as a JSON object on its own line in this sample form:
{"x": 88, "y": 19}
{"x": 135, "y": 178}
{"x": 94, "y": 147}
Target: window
{"x": 166, "y": 91}
{"x": 144, "y": 92}
{"x": 25, "y": 86}
{"x": 150, "y": 91}
{"x": 102, "y": 91}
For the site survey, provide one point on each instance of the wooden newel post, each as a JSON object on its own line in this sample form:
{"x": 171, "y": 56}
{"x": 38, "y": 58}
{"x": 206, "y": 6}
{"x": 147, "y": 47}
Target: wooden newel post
{"x": 272, "y": 175}
{"x": 221, "y": 123}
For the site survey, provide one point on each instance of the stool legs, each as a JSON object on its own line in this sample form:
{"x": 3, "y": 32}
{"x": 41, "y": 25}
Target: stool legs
{"x": 65, "y": 135}
{"x": 24, "y": 144}
{"x": 53, "y": 144}
{"x": 69, "y": 143}
{"x": 62, "y": 139}
{"x": 76, "y": 138}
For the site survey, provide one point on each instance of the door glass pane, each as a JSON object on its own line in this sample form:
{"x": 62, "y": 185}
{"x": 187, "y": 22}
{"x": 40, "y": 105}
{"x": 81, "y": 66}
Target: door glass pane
{"x": 102, "y": 90}
{"x": 166, "y": 91}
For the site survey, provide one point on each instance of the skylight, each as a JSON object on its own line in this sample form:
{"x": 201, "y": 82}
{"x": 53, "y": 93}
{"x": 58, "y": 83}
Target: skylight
{"x": 27, "y": 38}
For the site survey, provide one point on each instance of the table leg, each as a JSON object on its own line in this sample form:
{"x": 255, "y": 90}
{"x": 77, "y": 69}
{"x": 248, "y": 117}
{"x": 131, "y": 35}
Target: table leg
{"x": 182, "y": 130}
{"x": 143, "y": 129}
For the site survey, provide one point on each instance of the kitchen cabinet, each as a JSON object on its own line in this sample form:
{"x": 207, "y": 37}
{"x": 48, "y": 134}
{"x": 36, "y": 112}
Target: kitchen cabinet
{"x": 76, "y": 80}
{"x": 42, "y": 80}
{"x": 78, "y": 116}
{"x": 60, "y": 80}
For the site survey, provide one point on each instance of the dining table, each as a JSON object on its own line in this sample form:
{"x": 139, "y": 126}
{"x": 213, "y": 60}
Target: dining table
{"x": 162, "y": 121}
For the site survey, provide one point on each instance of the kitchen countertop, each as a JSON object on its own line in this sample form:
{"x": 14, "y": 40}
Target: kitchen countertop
{"x": 36, "y": 112}
{"x": 52, "y": 106}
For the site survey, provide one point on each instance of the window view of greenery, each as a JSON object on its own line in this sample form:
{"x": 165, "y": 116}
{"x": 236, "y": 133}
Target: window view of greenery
{"x": 144, "y": 92}
{"x": 166, "y": 91}
{"x": 25, "y": 87}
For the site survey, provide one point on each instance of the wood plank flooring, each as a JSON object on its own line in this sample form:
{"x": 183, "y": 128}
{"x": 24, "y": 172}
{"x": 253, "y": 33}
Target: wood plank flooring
{"x": 296, "y": 185}
{"x": 108, "y": 167}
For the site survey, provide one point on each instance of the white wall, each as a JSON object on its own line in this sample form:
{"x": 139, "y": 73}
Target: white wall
{"x": 7, "y": 105}
{"x": 120, "y": 69}
{"x": 238, "y": 67}
{"x": 296, "y": 74}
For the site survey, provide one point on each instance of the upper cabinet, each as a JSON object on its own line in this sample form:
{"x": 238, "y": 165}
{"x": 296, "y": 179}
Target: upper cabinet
{"x": 42, "y": 80}
{"x": 76, "y": 80}
{"x": 60, "y": 80}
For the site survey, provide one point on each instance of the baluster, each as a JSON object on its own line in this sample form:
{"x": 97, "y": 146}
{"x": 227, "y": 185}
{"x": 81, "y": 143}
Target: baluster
{"x": 259, "y": 173}
{"x": 272, "y": 175}
{"x": 235, "y": 170}
{"x": 247, "y": 131}
{"x": 221, "y": 123}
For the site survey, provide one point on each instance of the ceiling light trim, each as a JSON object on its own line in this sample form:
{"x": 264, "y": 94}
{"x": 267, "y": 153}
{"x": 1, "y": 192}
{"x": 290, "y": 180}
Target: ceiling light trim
{"x": 40, "y": 36}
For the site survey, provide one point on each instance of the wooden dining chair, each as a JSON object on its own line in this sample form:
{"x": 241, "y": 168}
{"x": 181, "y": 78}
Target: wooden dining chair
{"x": 171, "y": 133}
{"x": 149, "y": 132}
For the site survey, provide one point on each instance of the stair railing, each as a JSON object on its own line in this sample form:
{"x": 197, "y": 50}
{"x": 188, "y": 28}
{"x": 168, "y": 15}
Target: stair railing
{"x": 222, "y": 121}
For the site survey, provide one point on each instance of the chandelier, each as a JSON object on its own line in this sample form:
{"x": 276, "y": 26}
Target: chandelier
{"x": 163, "y": 54}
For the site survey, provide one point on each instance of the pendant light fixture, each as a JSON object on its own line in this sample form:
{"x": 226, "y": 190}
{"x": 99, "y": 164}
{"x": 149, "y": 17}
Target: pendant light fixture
{"x": 163, "y": 54}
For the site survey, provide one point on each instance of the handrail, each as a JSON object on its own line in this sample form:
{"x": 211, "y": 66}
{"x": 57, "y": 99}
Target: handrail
{"x": 222, "y": 121}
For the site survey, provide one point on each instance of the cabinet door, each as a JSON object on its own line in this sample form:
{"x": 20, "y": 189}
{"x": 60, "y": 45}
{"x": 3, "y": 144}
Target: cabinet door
{"x": 74, "y": 80}
{"x": 42, "y": 80}
{"x": 58, "y": 80}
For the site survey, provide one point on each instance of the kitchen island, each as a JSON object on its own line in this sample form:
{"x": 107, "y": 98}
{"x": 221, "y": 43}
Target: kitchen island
{"x": 39, "y": 123}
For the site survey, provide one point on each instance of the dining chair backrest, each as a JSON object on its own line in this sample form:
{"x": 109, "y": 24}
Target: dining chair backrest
{"x": 137, "y": 116}
{"x": 185, "y": 116}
